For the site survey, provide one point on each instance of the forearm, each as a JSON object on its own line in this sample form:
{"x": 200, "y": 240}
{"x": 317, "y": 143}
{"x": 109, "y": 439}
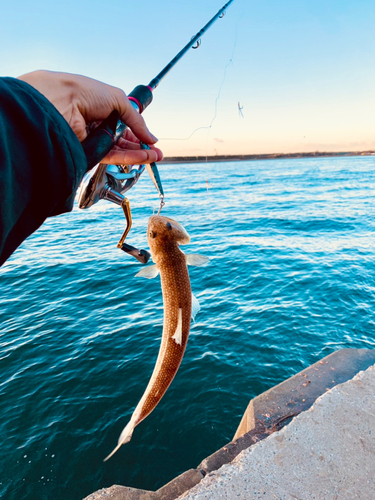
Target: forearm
{"x": 41, "y": 163}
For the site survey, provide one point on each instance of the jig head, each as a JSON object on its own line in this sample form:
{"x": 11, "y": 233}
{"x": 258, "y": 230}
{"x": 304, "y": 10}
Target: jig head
{"x": 153, "y": 172}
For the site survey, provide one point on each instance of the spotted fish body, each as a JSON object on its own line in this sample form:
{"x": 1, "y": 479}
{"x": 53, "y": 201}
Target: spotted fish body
{"x": 164, "y": 237}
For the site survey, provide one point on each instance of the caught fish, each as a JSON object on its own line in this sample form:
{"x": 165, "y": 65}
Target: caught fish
{"x": 164, "y": 237}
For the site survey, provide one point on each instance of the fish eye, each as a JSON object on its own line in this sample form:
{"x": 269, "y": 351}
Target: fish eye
{"x": 153, "y": 234}
{"x": 169, "y": 226}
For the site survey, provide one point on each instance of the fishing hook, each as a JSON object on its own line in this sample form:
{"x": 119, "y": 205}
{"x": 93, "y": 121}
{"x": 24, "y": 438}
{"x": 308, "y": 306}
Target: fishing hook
{"x": 197, "y": 45}
{"x": 162, "y": 204}
{"x": 222, "y": 15}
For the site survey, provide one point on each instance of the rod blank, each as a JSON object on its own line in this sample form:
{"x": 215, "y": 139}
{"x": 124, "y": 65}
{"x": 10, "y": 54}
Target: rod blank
{"x": 155, "y": 82}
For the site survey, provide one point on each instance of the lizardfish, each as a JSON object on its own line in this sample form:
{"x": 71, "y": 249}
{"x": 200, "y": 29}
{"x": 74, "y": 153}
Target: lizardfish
{"x": 164, "y": 238}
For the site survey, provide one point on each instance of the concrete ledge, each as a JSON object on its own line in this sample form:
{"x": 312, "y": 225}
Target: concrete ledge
{"x": 170, "y": 491}
{"x": 326, "y": 453}
{"x": 265, "y": 415}
{"x": 121, "y": 493}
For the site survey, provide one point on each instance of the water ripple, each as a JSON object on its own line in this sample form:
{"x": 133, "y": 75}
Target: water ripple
{"x": 291, "y": 280}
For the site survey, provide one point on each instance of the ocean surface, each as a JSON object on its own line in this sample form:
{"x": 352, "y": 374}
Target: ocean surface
{"x": 291, "y": 279}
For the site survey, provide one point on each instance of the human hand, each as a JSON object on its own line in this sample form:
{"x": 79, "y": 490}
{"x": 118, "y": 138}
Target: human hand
{"x": 83, "y": 101}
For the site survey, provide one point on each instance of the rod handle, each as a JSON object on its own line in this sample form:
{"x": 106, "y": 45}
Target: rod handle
{"x": 101, "y": 140}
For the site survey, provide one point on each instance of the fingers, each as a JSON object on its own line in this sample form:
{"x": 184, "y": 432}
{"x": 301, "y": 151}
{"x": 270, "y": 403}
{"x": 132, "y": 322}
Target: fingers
{"x": 128, "y": 142}
{"x": 132, "y": 143}
{"x": 119, "y": 156}
{"x": 128, "y": 151}
{"x": 128, "y": 135}
{"x": 133, "y": 119}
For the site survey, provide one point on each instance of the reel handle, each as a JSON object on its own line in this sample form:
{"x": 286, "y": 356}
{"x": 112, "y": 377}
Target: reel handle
{"x": 101, "y": 140}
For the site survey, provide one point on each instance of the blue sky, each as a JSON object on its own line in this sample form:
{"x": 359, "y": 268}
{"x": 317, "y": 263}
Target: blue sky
{"x": 303, "y": 70}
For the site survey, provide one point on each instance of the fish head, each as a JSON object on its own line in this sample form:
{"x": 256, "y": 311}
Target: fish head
{"x": 163, "y": 231}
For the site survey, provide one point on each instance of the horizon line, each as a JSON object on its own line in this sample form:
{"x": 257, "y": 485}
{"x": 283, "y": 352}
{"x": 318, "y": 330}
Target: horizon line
{"x": 265, "y": 156}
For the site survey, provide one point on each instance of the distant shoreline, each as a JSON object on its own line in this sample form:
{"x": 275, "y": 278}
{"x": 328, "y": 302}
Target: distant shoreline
{"x": 275, "y": 156}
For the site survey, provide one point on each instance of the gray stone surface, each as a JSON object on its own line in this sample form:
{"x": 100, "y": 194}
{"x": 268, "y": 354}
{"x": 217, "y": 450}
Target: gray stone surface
{"x": 325, "y": 453}
{"x": 267, "y": 413}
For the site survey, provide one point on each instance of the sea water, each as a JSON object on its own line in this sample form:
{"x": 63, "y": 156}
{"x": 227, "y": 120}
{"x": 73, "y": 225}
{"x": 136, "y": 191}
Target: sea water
{"x": 291, "y": 279}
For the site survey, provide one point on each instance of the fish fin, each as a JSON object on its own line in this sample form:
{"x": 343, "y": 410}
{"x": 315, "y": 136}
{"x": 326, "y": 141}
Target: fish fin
{"x": 177, "y": 337}
{"x": 195, "y": 306}
{"x": 124, "y": 438}
{"x": 194, "y": 259}
{"x": 148, "y": 272}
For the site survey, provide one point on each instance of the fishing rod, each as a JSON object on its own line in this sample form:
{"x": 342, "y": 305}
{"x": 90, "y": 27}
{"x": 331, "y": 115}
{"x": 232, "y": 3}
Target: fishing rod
{"x": 194, "y": 44}
{"x": 110, "y": 182}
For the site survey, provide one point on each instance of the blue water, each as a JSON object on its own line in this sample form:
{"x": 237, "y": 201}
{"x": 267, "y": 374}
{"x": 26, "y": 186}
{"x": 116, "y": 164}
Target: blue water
{"x": 291, "y": 279}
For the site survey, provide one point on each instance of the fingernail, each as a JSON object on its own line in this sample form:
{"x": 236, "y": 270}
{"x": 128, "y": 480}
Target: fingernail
{"x": 152, "y": 158}
{"x": 154, "y": 137}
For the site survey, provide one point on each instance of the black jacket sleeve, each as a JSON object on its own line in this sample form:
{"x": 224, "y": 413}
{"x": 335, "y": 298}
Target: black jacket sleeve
{"x": 41, "y": 163}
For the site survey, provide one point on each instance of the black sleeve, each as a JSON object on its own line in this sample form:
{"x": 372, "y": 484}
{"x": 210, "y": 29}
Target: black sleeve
{"x": 41, "y": 163}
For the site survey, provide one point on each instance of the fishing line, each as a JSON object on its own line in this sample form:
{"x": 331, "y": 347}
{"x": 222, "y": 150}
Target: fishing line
{"x": 222, "y": 85}
{"x": 225, "y": 73}
{"x": 217, "y": 98}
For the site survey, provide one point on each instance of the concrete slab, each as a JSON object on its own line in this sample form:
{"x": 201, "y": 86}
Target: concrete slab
{"x": 325, "y": 453}
{"x": 267, "y": 413}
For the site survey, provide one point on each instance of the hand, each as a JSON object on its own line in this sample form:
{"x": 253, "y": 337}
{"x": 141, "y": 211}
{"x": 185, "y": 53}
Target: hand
{"x": 83, "y": 101}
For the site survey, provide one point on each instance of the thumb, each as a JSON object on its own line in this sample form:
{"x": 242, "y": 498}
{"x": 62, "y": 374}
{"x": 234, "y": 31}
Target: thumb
{"x": 78, "y": 124}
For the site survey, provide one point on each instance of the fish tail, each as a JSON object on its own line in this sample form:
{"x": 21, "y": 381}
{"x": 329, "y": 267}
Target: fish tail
{"x": 125, "y": 437}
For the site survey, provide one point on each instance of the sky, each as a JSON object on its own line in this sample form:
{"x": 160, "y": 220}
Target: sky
{"x": 303, "y": 71}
